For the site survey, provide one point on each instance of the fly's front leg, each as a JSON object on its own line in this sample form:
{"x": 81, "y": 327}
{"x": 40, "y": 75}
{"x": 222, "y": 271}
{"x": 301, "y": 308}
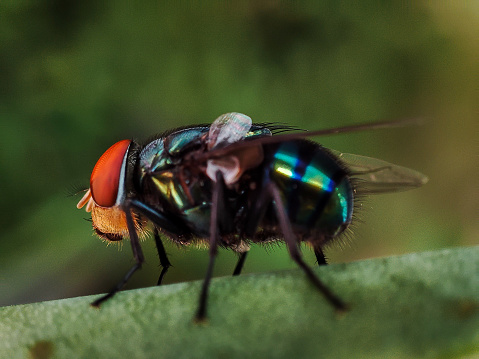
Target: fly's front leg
{"x": 217, "y": 197}
{"x": 294, "y": 250}
{"x": 137, "y": 254}
{"x": 164, "y": 262}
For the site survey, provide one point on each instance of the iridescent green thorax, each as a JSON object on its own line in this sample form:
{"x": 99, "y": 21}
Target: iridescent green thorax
{"x": 160, "y": 167}
{"x": 162, "y": 152}
{"x": 315, "y": 188}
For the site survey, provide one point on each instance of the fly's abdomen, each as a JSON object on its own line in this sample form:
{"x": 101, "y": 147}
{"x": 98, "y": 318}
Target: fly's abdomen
{"x": 315, "y": 187}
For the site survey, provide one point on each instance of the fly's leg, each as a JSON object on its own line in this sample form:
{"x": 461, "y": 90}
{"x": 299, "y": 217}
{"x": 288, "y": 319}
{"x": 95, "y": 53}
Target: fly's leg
{"x": 320, "y": 257}
{"x": 164, "y": 262}
{"x": 137, "y": 254}
{"x": 240, "y": 264}
{"x": 295, "y": 253}
{"x": 218, "y": 190}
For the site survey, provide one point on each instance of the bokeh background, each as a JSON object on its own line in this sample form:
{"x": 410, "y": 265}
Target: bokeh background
{"x": 75, "y": 77}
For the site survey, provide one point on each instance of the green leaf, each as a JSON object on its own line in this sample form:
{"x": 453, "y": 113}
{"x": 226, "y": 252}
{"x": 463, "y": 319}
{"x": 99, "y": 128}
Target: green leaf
{"x": 423, "y": 305}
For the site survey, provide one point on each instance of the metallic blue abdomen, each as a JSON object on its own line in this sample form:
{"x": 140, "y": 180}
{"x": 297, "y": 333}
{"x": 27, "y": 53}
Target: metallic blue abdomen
{"x": 315, "y": 188}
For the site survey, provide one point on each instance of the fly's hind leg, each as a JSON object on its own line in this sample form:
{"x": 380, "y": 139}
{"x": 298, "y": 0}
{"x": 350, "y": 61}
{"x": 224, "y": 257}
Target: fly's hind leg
{"x": 295, "y": 253}
{"x": 320, "y": 257}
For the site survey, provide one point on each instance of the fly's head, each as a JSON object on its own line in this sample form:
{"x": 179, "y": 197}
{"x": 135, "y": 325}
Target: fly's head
{"x": 107, "y": 194}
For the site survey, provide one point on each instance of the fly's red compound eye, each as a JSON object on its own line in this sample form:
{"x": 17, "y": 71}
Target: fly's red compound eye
{"x": 105, "y": 178}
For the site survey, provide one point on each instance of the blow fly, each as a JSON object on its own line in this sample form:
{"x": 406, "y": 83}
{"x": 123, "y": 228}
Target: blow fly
{"x": 232, "y": 184}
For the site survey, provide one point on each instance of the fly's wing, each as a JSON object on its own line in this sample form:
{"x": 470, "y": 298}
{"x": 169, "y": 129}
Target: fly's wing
{"x": 233, "y": 144}
{"x": 227, "y": 129}
{"x": 378, "y": 176}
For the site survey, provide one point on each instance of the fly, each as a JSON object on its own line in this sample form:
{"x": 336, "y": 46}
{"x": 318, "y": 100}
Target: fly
{"x": 232, "y": 184}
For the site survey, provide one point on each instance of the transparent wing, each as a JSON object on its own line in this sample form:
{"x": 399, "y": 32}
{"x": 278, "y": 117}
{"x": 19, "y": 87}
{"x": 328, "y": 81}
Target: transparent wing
{"x": 232, "y": 142}
{"x": 227, "y": 129}
{"x": 379, "y": 176}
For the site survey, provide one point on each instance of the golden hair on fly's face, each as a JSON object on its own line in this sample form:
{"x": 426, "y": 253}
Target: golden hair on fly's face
{"x": 109, "y": 223}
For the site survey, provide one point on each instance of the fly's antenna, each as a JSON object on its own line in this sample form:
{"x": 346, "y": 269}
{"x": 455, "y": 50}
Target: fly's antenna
{"x": 75, "y": 189}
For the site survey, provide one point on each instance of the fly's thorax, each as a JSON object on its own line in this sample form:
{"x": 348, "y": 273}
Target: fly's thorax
{"x": 167, "y": 151}
{"x": 314, "y": 187}
{"x": 175, "y": 192}
{"x": 179, "y": 189}
{"x": 168, "y": 186}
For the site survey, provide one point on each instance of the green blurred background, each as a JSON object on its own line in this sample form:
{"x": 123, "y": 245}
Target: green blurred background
{"x": 78, "y": 76}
